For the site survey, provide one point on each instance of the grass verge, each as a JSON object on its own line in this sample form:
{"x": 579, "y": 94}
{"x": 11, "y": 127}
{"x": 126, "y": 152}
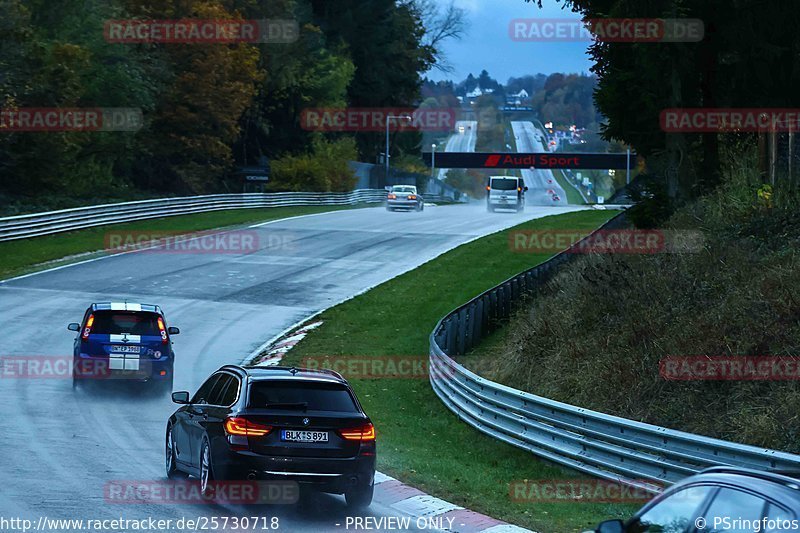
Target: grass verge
{"x": 29, "y": 255}
{"x": 573, "y": 196}
{"x": 420, "y": 441}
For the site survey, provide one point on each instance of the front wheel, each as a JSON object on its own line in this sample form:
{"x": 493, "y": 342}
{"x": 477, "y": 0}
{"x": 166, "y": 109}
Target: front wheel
{"x": 359, "y": 497}
{"x": 169, "y": 452}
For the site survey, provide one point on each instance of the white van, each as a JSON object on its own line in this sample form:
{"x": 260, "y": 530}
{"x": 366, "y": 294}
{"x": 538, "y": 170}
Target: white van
{"x": 505, "y": 192}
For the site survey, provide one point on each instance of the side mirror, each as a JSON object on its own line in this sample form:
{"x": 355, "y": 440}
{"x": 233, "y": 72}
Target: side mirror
{"x": 74, "y": 327}
{"x": 526, "y": 188}
{"x": 181, "y": 397}
{"x": 611, "y": 526}
{"x": 174, "y": 331}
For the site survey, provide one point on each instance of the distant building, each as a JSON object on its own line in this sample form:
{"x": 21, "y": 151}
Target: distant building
{"x": 517, "y": 99}
{"x": 477, "y": 93}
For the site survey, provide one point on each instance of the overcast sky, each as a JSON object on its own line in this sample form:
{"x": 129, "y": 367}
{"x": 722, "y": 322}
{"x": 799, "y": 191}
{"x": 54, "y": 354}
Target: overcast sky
{"x": 488, "y": 45}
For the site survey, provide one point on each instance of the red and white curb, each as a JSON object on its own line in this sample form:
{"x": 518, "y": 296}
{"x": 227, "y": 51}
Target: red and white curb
{"x": 427, "y": 509}
{"x": 274, "y": 353}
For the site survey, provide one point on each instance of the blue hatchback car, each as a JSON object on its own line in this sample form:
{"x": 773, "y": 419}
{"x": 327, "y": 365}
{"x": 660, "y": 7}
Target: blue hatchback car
{"x": 127, "y": 341}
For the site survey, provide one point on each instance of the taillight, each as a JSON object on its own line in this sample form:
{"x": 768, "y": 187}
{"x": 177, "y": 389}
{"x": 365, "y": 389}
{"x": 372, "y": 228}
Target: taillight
{"x": 243, "y": 427}
{"x": 88, "y": 328}
{"x": 392, "y": 196}
{"x": 163, "y": 330}
{"x": 364, "y": 433}
{"x": 412, "y": 197}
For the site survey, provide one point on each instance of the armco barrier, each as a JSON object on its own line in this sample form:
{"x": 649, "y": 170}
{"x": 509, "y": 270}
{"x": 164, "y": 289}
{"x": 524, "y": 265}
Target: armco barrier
{"x": 601, "y": 445}
{"x": 34, "y": 225}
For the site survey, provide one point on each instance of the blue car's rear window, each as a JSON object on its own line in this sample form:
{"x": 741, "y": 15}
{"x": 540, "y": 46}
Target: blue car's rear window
{"x": 131, "y": 322}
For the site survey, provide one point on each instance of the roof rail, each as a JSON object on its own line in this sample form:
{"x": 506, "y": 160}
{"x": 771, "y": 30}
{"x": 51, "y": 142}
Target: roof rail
{"x": 295, "y": 369}
{"x": 332, "y": 373}
{"x": 235, "y": 367}
{"x": 785, "y": 477}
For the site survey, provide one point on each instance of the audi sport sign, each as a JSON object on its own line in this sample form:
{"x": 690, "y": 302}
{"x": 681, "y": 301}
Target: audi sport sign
{"x": 534, "y": 160}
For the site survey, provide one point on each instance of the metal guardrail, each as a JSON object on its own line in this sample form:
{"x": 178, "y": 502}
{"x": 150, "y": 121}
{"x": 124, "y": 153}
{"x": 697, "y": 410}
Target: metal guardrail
{"x": 37, "y": 224}
{"x": 605, "y": 446}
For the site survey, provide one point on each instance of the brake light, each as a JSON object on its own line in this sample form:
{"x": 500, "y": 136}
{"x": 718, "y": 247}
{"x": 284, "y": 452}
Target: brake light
{"x": 364, "y": 433}
{"x": 163, "y": 330}
{"x": 243, "y": 427}
{"x": 88, "y": 329}
{"x": 412, "y": 197}
{"x": 392, "y": 196}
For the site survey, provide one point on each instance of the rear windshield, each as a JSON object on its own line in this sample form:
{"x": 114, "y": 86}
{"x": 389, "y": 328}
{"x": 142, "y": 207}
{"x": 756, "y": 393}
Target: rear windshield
{"x": 131, "y": 322}
{"x": 504, "y": 184}
{"x": 301, "y": 396}
{"x": 403, "y": 189}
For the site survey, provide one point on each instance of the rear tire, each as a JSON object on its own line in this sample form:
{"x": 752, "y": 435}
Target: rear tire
{"x": 206, "y": 471}
{"x": 360, "y": 497}
{"x": 169, "y": 455}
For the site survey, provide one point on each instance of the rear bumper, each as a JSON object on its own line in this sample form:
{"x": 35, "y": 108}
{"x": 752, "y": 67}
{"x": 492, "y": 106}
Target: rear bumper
{"x": 102, "y": 368}
{"x": 510, "y": 203}
{"x": 402, "y": 204}
{"x": 327, "y": 474}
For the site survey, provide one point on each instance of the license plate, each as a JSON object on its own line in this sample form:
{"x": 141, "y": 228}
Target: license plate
{"x": 124, "y": 349}
{"x": 304, "y": 436}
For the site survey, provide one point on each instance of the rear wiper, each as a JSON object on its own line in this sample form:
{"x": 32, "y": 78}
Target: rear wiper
{"x": 297, "y": 405}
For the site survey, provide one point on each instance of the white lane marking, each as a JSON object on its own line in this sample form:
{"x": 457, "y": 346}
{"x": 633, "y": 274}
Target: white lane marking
{"x": 425, "y": 506}
{"x": 267, "y": 223}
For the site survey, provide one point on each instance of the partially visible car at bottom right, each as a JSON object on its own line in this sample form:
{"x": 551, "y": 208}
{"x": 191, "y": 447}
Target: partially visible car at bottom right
{"x": 719, "y": 499}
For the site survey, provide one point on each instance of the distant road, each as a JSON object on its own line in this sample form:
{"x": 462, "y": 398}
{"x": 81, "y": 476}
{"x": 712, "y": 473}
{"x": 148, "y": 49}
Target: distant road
{"x": 461, "y": 142}
{"x": 540, "y": 181}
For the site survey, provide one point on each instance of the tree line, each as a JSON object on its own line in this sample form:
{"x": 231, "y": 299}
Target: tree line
{"x": 210, "y": 107}
{"x": 746, "y": 59}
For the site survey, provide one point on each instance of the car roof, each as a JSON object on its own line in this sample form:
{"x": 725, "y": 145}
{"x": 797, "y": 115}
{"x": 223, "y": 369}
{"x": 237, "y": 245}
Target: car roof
{"x": 775, "y": 485}
{"x": 286, "y": 373}
{"x": 125, "y": 306}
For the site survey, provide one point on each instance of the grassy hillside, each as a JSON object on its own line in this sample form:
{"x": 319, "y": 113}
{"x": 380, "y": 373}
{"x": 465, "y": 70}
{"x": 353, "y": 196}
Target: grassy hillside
{"x": 595, "y": 335}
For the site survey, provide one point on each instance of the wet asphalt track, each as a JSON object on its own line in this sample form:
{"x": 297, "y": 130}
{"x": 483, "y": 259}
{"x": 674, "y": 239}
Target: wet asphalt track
{"x": 539, "y": 181}
{"x": 60, "y": 448}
